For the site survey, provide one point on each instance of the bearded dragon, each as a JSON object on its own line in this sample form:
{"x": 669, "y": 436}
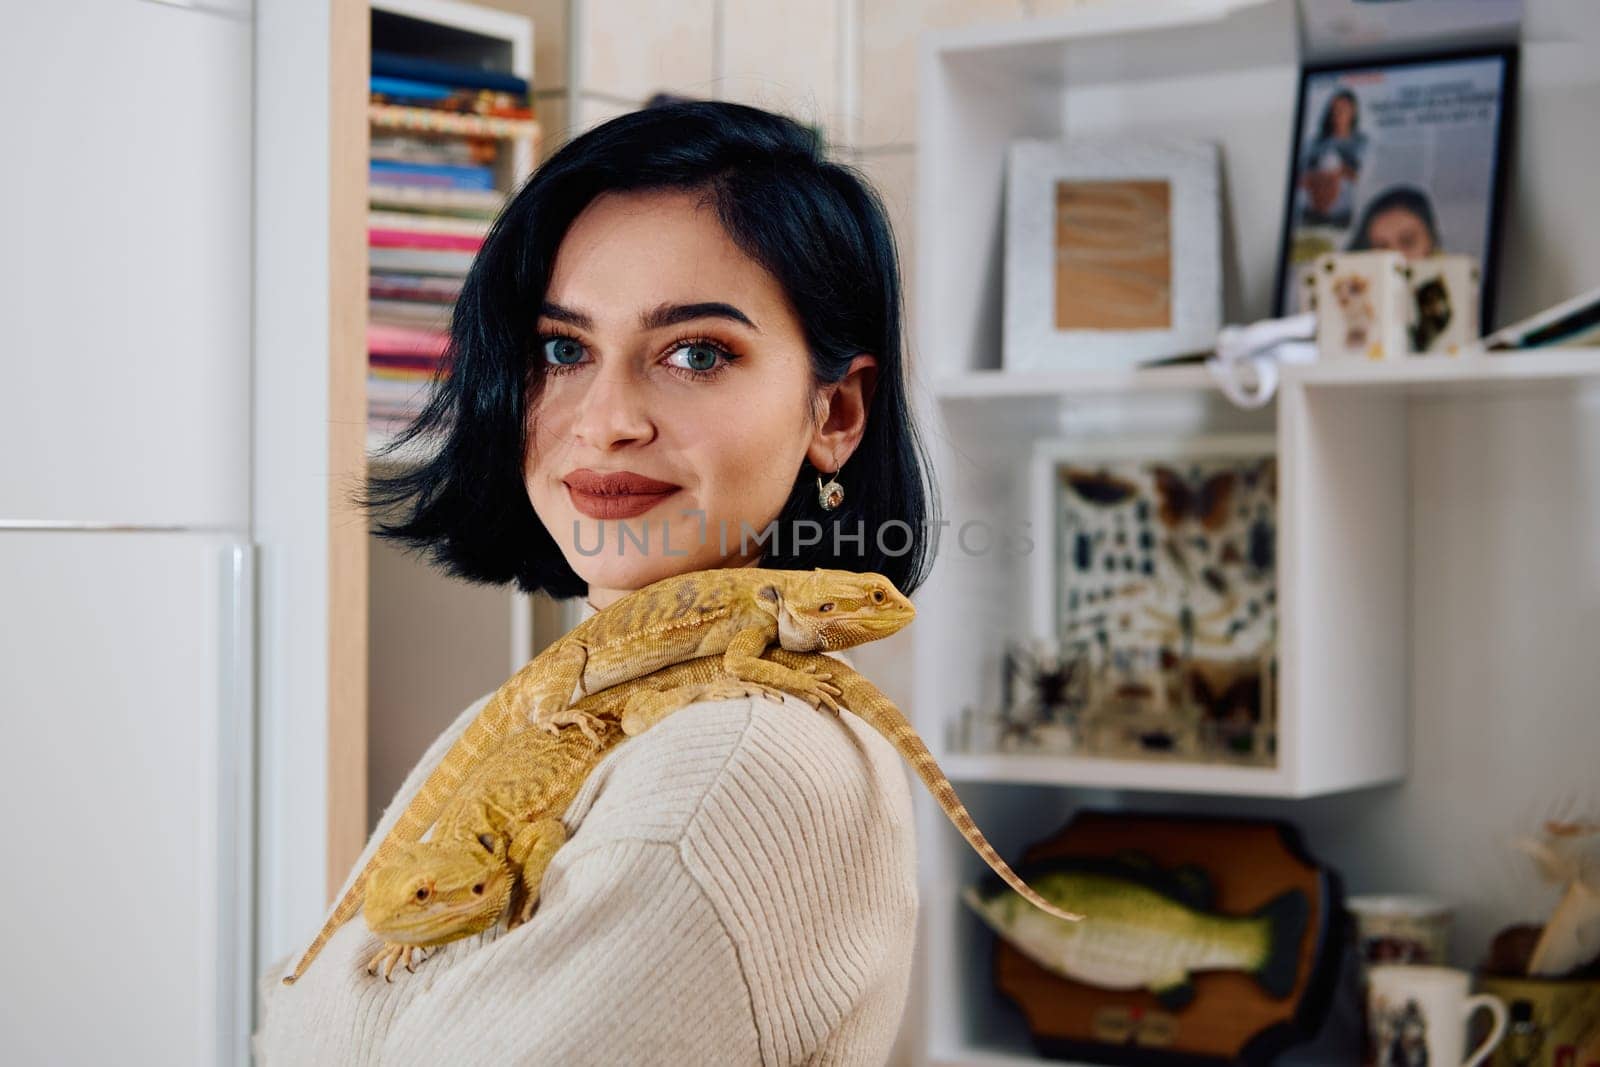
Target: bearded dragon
{"x": 496, "y": 835}
{"x": 494, "y": 841}
{"x": 731, "y": 613}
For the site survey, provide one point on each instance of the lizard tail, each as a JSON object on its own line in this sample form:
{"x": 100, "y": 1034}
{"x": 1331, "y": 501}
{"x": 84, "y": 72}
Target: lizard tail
{"x": 497, "y": 720}
{"x": 348, "y": 905}
{"x": 863, "y": 698}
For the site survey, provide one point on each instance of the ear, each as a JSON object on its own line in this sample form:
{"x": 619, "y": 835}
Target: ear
{"x": 488, "y": 841}
{"x": 843, "y": 417}
{"x": 769, "y": 599}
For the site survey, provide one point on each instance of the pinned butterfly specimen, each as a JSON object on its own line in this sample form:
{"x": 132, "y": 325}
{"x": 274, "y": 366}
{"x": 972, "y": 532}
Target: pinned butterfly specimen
{"x": 1100, "y": 488}
{"x": 1204, "y": 500}
{"x": 1228, "y": 694}
{"x": 1265, "y": 475}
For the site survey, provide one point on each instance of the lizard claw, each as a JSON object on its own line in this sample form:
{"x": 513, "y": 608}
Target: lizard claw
{"x": 590, "y": 725}
{"x": 391, "y": 955}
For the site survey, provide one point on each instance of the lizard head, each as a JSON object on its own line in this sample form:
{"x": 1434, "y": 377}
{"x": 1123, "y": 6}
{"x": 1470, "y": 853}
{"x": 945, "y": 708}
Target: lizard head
{"x": 437, "y": 891}
{"x": 830, "y": 609}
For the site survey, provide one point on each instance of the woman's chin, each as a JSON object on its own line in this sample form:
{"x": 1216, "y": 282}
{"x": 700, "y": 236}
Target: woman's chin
{"x": 633, "y": 571}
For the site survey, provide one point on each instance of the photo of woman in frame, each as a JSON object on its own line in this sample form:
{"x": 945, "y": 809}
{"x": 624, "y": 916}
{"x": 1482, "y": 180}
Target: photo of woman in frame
{"x": 1331, "y": 163}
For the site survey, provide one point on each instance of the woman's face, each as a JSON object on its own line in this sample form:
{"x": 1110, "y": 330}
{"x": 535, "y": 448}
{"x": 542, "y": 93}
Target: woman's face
{"x": 684, "y": 364}
{"x": 1400, "y": 230}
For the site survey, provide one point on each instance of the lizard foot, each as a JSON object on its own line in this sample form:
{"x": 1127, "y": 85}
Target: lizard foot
{"x": 592, "y": 726}
{"x": 391, "y": 955}
{"x": 530, "y": 904}
{"x": 818, "y": 691}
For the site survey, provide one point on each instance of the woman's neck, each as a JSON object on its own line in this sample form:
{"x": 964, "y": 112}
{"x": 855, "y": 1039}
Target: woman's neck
{"x": 599, "y": 598}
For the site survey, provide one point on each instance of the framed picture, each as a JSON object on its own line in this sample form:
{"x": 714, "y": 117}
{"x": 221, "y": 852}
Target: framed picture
{"x": 1399, "y": 154}
{"x": 1113, "y": 252}
{"x": 1156, "y": 577}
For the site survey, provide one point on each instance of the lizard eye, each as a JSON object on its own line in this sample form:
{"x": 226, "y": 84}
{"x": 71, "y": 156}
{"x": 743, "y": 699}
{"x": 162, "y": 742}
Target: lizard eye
{"x": 828, "y": 606}
{"x": 422, "y": 894}
{"x": 477, "y": 890}
{"x": 877, "y": 596}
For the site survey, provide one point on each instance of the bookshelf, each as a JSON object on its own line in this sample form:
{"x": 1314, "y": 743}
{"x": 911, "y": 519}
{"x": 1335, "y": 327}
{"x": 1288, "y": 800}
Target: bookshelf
{"x": 437, "y": 177}
{"x": 1433, "y": 519}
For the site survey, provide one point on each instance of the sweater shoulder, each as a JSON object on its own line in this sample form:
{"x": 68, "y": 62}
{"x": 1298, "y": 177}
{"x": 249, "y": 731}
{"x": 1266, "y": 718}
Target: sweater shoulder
{"x": 715, "y": 763}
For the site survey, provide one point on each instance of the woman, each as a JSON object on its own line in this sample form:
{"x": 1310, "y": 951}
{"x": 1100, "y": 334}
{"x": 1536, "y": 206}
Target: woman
{"x": 685, "y": 320}
{"x": 1399, "y": 219}
{"x": 1332, "y": 163}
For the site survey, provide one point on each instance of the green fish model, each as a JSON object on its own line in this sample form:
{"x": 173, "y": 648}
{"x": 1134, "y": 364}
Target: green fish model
{"x": 1144, "y": 928}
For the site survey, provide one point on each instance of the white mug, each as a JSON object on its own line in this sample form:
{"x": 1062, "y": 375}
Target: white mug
{"x": 1418, "y": 1016}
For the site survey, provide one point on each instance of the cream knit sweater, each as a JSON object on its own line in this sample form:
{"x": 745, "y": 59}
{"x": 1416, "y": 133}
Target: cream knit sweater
{"x": 739, "y": 887}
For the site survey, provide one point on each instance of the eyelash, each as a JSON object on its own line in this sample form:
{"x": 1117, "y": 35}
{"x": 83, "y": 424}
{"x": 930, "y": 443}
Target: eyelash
{"x": 729, "y": 357}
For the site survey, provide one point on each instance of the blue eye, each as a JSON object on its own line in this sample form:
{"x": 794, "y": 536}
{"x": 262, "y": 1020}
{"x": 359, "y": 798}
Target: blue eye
{"x": 568, "y": 351}
{"x": 703, "y": 355}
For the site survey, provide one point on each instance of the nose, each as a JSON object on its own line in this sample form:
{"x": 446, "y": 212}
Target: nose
{"x": 614, "y": 410}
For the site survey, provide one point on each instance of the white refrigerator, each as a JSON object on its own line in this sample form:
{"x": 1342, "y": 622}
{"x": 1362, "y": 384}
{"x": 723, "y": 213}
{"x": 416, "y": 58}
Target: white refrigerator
{"x": 127, "y": 607}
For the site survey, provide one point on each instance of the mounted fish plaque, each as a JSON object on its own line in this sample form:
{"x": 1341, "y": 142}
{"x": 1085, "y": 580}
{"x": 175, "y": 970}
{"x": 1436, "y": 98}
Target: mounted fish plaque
{"x": 1207, "y": 941}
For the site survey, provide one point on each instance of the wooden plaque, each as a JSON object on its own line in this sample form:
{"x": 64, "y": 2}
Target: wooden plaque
{"x": 1231, "y": 1018}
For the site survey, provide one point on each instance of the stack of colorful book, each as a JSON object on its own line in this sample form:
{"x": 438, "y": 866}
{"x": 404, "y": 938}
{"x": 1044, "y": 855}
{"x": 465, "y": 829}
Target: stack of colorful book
{"x": 438, "y": 161}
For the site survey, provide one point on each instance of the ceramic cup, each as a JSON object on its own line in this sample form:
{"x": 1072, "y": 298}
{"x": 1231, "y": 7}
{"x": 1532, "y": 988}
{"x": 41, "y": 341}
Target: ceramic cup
{"x": 1418, "y": 1016}
{"x": 1402, "y": 928}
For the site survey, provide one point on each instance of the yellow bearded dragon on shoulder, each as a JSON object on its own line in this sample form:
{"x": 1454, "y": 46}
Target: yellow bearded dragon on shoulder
{"x": 495, "y": 839}
{"x": 732, "y": 613}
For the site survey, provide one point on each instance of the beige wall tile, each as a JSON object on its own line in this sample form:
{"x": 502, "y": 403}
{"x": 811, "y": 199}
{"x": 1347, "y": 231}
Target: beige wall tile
{"x": 551, "y": 111}
{"x": 889, "y": 32}
{"x": 783, "y": 55}
{"x": 628, "y": 49}
{"x": 549, "y": 43}
{"x": 893, "y": 173}
{"x": 594, "y": 110}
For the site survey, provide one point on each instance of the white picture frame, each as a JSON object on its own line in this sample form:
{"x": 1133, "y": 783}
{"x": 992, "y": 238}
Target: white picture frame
{"x": 1031, "y": 338}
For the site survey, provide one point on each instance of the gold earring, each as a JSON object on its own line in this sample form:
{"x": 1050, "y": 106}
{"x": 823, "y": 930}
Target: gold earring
{"x": 831, "y": 495}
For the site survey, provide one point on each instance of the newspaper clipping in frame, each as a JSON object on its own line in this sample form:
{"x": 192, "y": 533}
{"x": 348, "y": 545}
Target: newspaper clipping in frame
{"x": 1398, "y": 155}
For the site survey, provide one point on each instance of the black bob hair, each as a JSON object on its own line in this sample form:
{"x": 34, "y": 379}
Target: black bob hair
{"x": 1326, "y": 128}
{"x": 820, "y": 229}
{"x": 1404, "y": 198}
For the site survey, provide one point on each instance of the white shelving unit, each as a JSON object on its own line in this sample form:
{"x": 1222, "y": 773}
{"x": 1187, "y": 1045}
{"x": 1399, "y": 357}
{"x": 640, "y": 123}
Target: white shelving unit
{"x": 1226, "y": 71}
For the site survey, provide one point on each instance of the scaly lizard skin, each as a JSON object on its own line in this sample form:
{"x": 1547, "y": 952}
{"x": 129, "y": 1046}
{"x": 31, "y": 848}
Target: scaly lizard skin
{"x": 496, "y": 838}
{"x": 734, "y": 613}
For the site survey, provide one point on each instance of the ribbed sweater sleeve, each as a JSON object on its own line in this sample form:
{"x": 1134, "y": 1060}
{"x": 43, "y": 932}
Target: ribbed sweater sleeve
{"x": 738, "y": 888}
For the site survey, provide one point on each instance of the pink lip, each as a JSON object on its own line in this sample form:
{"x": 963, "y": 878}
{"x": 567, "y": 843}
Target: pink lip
{"x": 615, "y": 494}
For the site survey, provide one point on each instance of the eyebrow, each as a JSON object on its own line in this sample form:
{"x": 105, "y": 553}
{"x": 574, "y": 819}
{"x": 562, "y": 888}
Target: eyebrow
{"x": 657, "y": 318}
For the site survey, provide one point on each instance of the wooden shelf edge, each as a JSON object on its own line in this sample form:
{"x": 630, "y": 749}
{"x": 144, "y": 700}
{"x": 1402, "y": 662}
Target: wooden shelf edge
{"x": 428, "y": 120}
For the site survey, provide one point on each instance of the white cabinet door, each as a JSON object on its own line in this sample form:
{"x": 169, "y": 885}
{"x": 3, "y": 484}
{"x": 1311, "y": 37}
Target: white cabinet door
{"x": 124, "y": 774}
{"x": 125, "y": 258}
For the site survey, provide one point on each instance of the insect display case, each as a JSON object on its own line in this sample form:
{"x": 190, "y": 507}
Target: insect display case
{"x": 1155, "y": 577}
